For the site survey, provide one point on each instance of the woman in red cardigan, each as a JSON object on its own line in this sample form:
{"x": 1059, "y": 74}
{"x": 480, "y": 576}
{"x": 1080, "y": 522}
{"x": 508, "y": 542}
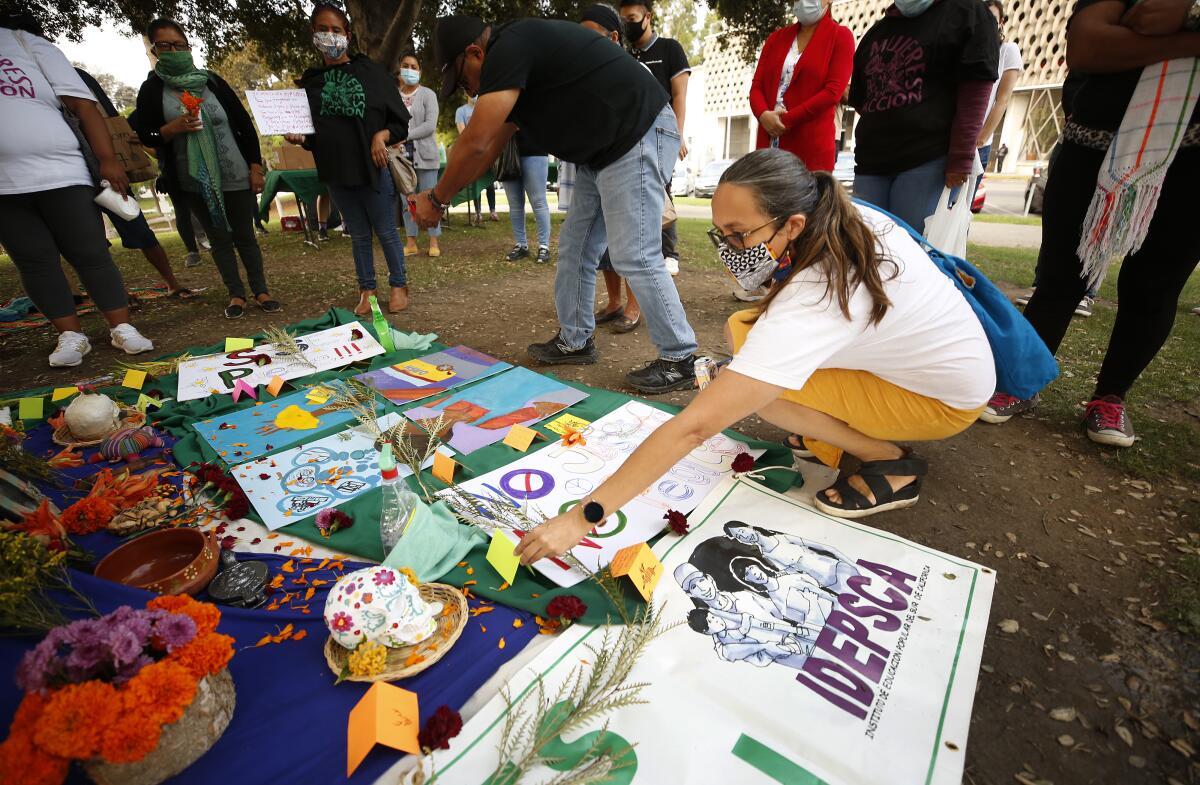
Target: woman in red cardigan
{"x": 801, "y": 75}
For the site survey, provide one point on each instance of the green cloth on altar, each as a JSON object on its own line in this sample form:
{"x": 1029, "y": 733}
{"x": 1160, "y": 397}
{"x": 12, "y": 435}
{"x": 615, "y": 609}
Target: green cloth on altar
{"x": 434, "y": 543}
{"x": 304, "y": 183}
{"x": 362, "y": 539}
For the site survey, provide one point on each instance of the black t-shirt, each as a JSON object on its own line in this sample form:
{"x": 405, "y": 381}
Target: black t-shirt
{"x": 665, "y": 58}
{"x": 1100, "y": 100}
{"x": 526, "y": 148}
{"x": 583, "y": 99}
{"x": 906, "y": 77}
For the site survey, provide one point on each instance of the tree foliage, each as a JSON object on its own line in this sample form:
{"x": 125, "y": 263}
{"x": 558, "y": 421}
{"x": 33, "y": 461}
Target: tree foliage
{"x": 122, "y": 95}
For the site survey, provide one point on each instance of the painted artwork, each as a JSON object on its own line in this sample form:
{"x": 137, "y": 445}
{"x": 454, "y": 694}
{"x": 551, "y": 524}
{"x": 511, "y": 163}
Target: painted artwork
{"x": 800, "y": 648}
{"x": 485, "y": 413}
{"x": 271, "y": 425}
{"x": 555, "y": 478}
{"x": 432, "y": 374}
{"x": 294, "y": 484}
{"x": 215, "y": 374}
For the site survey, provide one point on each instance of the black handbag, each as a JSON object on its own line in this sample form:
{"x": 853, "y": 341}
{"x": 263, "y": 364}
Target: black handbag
{"x": 508, "y": 163}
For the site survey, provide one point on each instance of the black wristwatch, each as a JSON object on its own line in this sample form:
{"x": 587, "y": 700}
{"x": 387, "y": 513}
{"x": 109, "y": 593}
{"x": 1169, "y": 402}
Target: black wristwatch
{"x": 593, "y": 512}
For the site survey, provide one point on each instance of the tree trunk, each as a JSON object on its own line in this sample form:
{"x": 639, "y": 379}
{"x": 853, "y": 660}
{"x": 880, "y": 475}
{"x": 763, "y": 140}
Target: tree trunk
{"x": 383, "y": 28}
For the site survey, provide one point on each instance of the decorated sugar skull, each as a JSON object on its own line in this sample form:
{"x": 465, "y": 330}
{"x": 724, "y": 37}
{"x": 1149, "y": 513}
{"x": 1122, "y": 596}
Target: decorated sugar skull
{"x": 379, "y": 604}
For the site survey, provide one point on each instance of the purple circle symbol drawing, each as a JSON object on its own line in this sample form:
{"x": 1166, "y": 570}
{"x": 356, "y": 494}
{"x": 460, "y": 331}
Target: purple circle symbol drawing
{"x": 527, "y": 484}
{"x": 578, "y": 487}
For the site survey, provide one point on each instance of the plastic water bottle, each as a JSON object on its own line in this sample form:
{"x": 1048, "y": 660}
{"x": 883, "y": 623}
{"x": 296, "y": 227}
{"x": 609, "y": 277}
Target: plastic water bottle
{"x": 382, "y": 328}
{"x": 399, "y": 503}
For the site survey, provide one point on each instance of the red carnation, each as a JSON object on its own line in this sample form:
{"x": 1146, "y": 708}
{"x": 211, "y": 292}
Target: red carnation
{"x": 677, "y": 521}
{"x": 443, "y": 725}
{"x": 568, "y": 607}
{"x": 743, "y": 463}
{"x": 227, "y": 543}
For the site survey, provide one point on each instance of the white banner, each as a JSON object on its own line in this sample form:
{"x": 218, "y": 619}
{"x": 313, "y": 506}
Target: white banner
{"x": 278, "y": 112}
{"x": 555, "y": 478}
{"x": 812, "y": 650}
{"x": 215, "y": 374}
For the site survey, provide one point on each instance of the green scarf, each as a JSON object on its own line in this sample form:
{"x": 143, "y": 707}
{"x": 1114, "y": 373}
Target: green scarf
{"x": 177, "y": 70}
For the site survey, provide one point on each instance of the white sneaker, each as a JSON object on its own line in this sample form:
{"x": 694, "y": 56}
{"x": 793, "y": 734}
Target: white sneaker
{"x": 126, "y": 338}
{"x": 672, "y": 265}
{"x": 747, "y": 296}
{"x": 72, "y": 346}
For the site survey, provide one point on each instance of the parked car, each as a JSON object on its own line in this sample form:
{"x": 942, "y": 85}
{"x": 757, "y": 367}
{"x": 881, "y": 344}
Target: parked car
{"x": 843, "y": 169}
{"x": 1035, "y": 191}
{"x": 681, "y": 180}
{"x": 710, "y": 175}
{"x": 980, "y": 196}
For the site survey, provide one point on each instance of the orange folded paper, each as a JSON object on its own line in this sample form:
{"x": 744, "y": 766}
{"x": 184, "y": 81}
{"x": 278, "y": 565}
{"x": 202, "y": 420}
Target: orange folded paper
{"x": 385, "y": 715}
{"x": 640, "y": 565}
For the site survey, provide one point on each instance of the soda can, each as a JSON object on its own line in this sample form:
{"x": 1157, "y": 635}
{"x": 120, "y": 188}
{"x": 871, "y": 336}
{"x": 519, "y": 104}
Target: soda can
{"x": 706, "y": 369}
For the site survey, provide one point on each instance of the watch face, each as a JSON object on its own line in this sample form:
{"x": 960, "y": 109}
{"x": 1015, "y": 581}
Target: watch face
{"x": 593, "y": 512}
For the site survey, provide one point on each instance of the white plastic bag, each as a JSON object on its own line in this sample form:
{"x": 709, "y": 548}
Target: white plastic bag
{"x": 946, "y": 229}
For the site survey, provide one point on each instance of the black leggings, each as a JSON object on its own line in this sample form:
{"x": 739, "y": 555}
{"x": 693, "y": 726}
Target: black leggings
{"x": 240, "y": 209}
{"x": 1150, "y": 280}
{"x": 491, "y": 195}
{"x": 38, "y": 227}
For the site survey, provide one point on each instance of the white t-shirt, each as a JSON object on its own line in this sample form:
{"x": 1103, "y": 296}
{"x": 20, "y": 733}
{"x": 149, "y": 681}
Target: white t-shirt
{"x": 929, "y": 342}
{"x": 1010, "y": 60}
{"x": 38, "y": 150}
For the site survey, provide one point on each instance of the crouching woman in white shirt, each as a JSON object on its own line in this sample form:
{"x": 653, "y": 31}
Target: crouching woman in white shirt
{"x": 862, "y": 341}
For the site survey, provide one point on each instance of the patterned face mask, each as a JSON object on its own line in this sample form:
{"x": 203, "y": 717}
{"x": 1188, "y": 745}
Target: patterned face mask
{"x": 332, "y": 45}
{"x": 751, "y": 267}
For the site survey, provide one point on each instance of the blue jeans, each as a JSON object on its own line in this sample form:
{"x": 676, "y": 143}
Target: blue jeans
{"x": 364, "y": 210}
{"x": 426, "y": 179}
{"x": 534, "y": 170}
{"x": 985, "y": 154}
{"x": 911, "y": 195}
{"x": 626, "y": 199}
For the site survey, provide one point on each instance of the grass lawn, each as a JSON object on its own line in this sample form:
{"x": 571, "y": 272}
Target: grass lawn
{"x": 997, "y": 218}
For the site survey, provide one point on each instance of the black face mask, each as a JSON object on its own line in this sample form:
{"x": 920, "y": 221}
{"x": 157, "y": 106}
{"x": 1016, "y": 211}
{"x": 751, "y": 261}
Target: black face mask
{"x": 634, "y": 31}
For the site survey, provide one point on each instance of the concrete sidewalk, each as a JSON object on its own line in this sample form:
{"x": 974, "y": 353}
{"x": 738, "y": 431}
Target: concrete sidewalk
{"x": 995, "y": 234}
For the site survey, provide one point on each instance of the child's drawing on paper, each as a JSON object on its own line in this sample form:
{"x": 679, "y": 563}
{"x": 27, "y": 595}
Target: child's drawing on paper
{"x": 432, "y": 374}
{"x": 485, "y": 413}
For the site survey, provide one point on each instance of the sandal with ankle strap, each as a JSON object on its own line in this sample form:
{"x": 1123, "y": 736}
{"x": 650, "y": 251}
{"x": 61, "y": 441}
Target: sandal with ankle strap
{"x": 874, "y": 473}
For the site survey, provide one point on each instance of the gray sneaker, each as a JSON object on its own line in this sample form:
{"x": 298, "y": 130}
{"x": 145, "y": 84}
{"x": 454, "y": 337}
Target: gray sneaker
{"x": 1107, "y": 423}
{"x": 193, "y": 259}
{"x": 1084, "y": 308}
{"x": 1003, "y": 407}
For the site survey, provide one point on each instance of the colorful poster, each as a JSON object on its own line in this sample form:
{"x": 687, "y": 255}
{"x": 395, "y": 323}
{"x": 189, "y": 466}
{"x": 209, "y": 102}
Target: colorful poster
{"x": 432, "y": 374}
{"x": 272, "y": 424}
{"x": 215, "y": 374}
{"x": 294, "y": 484}
{"x": 485, "y": 413}
{"x": 803, "y": 649}
{"x": 555, "y": 478}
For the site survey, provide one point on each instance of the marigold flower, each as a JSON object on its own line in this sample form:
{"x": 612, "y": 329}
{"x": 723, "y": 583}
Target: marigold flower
{"x": 206, "y": 615}
{"x": 21, "y": 761}
{"x": 134, "y": 736}
{"x": 368, "y": 659}
{"x": 74, "y": 717}
{"x": 160, "y": 691}
{"x": 206, "y": 655}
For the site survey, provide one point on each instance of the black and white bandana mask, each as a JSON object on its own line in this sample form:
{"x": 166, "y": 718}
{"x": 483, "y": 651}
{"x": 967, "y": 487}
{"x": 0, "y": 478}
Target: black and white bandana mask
{"x": 751, "y": 267}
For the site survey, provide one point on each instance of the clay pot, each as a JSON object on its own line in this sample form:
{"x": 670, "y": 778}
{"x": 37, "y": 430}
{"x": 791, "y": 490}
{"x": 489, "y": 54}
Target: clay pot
{"x": 181, "y": 743}
{"x": 168, "y": 561}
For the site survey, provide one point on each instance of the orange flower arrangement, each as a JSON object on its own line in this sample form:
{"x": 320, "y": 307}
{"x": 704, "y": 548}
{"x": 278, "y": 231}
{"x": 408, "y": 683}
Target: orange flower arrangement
{"x": 89, "y": 514}
{"x": 118, "y": 723}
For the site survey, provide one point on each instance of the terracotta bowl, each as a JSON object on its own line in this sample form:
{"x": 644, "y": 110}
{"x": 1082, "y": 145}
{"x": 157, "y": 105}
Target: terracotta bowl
{"x": 168, "y": 561}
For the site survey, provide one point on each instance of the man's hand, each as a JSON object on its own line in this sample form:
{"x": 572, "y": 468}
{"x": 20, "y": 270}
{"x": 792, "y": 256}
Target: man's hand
{"x": 772, "y": 124}
{"x": 426, "y": 213}
{"x": 111, "y": 170}
{"x": 956, "y": 179}
{"x": 295, "y": 138}
{"x": 379, "y": 148}
{"x": 683, "y": 149}
{"x": 257, "y": 180}
{"x": 554, "y": 537}
{"x": 1157, "y": 17}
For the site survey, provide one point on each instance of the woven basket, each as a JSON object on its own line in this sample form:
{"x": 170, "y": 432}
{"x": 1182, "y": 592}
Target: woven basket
{"x": 129, "y": 418}
{"x": 450, "y": 625}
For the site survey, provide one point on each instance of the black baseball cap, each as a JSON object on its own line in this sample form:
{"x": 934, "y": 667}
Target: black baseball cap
{"x": 451, "y": 37}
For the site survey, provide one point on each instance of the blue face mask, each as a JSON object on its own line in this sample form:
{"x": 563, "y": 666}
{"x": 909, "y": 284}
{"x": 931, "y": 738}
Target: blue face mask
{"x": 911, "y": 8}
{"x": 410, "y": 76}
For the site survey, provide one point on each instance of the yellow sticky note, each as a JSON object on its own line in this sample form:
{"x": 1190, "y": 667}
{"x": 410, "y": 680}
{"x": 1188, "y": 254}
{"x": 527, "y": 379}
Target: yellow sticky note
{"x": 443, "y": 467}
{"x": 567, "y": 422}
{"x": 423, "y": 370}
{"x": 275, "y": 385}
{"x": 638, "y": 563}
{"x": 520, "y": 437}
{"x": 500, "y": 555}
{"x": 30, "y": 408}
{"x": 386, "y": 715}
{"x": 134, "y": 379}
{"x": 144, "y": 402}
{"x": 319, "y": 395}
{"x": 234, "y": 344}
{"x": 62, "y": 393}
